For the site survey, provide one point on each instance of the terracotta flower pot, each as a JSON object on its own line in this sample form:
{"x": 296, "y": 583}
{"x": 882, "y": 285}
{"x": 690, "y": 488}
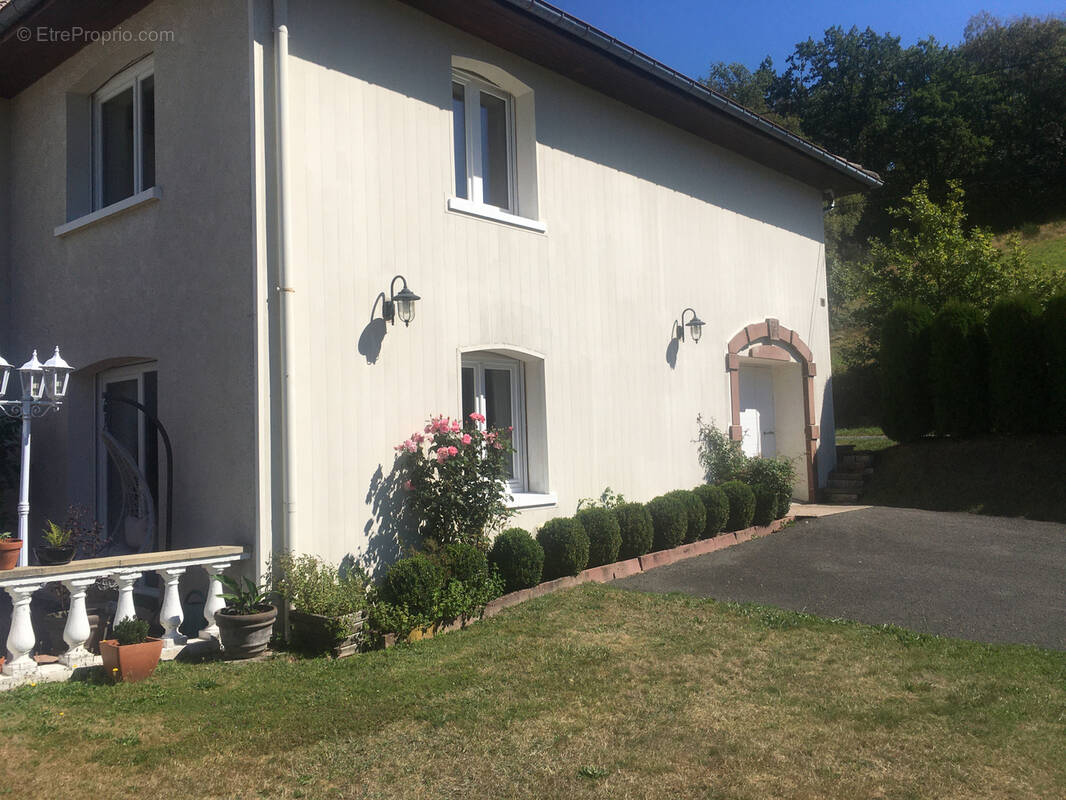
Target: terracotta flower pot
{"x": 315, "y": 633}
{"x": 245, "y": 635}
{"x": 130, "y": 662}
{"x": 52, "y": 556}
{"x": 9, "y": 553}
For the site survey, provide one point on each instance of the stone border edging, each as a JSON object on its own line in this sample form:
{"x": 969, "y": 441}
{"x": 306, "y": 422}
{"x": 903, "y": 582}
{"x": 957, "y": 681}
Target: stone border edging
{"x": 619, "y": 569}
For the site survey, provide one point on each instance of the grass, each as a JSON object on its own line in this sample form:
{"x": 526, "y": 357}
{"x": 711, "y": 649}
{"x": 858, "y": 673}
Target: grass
{"x": 591, "y": 693}
{"x": 865, "y": 439}
{"x": 1046, "y": 244}
{"x": 1012, "y": 476}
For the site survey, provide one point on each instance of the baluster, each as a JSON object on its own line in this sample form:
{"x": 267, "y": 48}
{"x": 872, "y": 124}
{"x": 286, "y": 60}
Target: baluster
{"x": 214, "y": 601}
{"x": 77, "y": 630}
{"x": 125, "y": 580}
{"x": 21, "y": 638}
{"x": 170, "y": 614}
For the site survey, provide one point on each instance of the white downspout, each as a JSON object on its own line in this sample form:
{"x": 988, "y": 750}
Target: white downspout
{"x": 285, "y": 288}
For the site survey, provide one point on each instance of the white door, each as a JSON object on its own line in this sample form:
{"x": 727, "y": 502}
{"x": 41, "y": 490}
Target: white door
{"x": 757, "y": 412}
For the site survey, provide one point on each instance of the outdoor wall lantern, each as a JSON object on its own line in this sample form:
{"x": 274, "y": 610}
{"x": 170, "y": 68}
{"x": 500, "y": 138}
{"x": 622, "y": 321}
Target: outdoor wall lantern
{"x": 695, "y": 326}
{"x": 401, "y": 304}
{"x": 38, "y": 380}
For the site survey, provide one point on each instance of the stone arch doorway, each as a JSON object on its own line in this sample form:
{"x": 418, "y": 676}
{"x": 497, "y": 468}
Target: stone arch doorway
{"x": 767, "y": 342}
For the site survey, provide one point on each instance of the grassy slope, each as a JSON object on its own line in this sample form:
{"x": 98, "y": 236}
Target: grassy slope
{"x": 591, "y": 693}
{"x": 1018, "y": 476}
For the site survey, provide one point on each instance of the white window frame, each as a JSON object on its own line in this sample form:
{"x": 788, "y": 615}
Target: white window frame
{"x": 479, "y": 363}
{"x": 473, "y": 87}
{"x": 131, "y": 77}
{"x": 128, "y": 373}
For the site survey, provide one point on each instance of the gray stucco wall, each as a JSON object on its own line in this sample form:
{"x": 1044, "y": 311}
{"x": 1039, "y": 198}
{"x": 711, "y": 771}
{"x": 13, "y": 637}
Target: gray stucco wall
{"x": 171, "y": 281}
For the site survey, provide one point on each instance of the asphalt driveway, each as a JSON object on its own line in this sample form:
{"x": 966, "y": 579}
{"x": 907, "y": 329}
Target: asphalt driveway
{"x": 992, "y": 579}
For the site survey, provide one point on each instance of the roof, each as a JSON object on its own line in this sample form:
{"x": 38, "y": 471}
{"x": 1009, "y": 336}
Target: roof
{"x": 532, "y": 29}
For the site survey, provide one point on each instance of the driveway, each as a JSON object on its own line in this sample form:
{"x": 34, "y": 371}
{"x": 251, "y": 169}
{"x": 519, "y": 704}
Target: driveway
{"x": 992, "y": 579}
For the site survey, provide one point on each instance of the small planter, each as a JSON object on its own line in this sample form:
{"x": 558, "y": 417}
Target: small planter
{"x": 51, "y": 627}
{"x": 246, "y": 635}
{"x": 341, "y": 636}
{"x": 9, "y": 553}
{"x": 53, "y": 556}
{"x": 130, "y": 663}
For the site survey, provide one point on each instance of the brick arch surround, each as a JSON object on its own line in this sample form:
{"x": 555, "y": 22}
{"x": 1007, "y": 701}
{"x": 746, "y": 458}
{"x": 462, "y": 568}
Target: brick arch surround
{"x": 771, "y": 339}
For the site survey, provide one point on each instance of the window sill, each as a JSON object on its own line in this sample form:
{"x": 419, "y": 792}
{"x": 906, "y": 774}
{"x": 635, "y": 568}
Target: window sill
{"x": 495, "y": 214}
{"x": 122, "y": 206}
{"x": 532, "y": 500}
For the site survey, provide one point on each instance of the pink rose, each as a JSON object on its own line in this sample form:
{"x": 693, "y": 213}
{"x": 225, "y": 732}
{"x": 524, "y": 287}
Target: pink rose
{"x": 456, "y": 427}
{"x": 453, "y": 451}
{"x": 409, "y": 446}
{"x": 408, "y": 486}
{"x": 466, "y": 438}
{"x": 477, "y": 417}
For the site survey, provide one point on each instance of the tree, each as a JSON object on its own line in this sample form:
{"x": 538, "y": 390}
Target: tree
{"x": 749, "y": 89}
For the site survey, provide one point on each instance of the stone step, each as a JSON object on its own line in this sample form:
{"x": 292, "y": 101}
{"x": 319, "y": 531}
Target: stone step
{"x": 852, "y": 461}
{"x": 845, "y": 484}
{"x": 840, "y": 496}
{"x": 845, "y": 450}
{"x": 848, "y": 475}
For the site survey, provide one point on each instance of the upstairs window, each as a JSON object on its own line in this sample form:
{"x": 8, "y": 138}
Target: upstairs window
{"x": 123, "y": 145}
{"x": 484, "y": 140}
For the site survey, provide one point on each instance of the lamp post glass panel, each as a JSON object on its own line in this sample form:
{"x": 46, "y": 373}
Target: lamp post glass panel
{"x": 694, "y": 325}
{"x": 44, "y": 386}
{"x": 400, "y": 304}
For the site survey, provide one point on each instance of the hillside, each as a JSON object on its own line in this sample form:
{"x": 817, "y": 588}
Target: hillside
{"x": 1046, "y": 243}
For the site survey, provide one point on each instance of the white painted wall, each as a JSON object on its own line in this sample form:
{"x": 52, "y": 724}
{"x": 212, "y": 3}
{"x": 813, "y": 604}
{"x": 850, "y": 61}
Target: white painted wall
{"x": 642, "y": 221}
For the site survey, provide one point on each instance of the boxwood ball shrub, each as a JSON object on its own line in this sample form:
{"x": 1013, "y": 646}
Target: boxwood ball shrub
{"x": 716, "y": 505}
{"x": 413, "y": 582}
{"x": 464, "y": 562}
{"x": 784, "y": 503}
{"x": 605, "y": 535}
{"x": 906, "y": 407}
{"x": 765, "y": 505}
{"x": 741, "y": 505}
{"x": 519, "y": 559}
{"x": 566, "y": 547}
{"x": 695, "y": 513}
{"x": 1054, "y": 336}
{"x": 637, "y": 534}
{"x": 669, "y": 522}
{"x": 958, "y": 370}
{"x": 1016, "y": 365}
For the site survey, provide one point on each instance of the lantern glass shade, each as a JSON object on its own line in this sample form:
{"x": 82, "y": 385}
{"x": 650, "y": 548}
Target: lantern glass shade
{"x": 32, "y": 375}
{"x": 695, "y": 326}
{"x": 5, "y": 375}
{"x": 405, "y": 305}
{"x": 57, "y": 376}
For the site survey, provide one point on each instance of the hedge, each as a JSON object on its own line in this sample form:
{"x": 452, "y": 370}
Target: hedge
{"x": 695, "y": 513}
{"x": 765, "y": 505}
{"x": 413, "y": 582}
{"x": 741, "y": 505}
{"x": 519, "y": 558}
{"x": 605, "y": 535}
{"x": 906, "y": 407}
{"x": 669, "y": 521}
{"x": 1016, "y": 365}
{"x": 464, "y": 562}
{"x": 716, "y": 505}
{"x": 1054, "y": 337}
{"x": 634, "y": 523}
{"x": 566, "y": 547}
{"x": 958, "y": 370}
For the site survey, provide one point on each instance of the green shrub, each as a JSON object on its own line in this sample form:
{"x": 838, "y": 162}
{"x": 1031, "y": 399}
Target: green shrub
{"x": 317, "y": 587}
{"x": 669, "y": 522}
{"x": 413, "y": 583}
{"x": 716, "y": 506}
{"x": 741, "y": 505}
{"x": 605, "y": 535}
{"x": 1016, "y": 365}
{"x": 776, "y": 474}
{"x": 519, "y": 558}
{"x": 784, "y": 503}
{"x": 722, "y": 458}
{"x": 566, "y": 547}
{"x": 958, "y": 370}
{"x": 634, "y": 523}
{"x": 1054, "y": 337}
{"x": 765, "y": 506}
{"x": 464, "y": 562}
{"x": 695, "y": 513}
{"x": 131, "y": 630}
{"x": 906, "y": 405}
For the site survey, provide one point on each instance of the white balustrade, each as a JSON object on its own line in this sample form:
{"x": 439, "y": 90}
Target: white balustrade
{"x": 20, "y": 583}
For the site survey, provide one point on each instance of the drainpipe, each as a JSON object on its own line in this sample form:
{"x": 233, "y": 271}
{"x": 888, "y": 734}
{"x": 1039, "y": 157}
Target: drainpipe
{"x": 285, "y": 288}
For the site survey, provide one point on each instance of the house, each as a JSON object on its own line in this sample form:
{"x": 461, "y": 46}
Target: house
{"x": 211, "y": 205}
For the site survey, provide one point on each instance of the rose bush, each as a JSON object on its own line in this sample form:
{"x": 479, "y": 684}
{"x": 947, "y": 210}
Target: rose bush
{"x": 457, "y": 480}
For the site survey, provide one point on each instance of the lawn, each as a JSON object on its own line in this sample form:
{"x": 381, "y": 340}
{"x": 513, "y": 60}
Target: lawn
{"x": 590, "y": 693}
{"x": 1012, "y": 476}
{"x": 868, "y": 439}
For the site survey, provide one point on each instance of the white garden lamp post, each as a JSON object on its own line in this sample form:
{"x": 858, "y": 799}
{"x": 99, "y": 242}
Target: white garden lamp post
{"x": 43, "y": 388}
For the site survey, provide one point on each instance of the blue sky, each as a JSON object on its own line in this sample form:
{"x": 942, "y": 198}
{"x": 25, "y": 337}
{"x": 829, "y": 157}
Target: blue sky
{"x": 688, "y": 35}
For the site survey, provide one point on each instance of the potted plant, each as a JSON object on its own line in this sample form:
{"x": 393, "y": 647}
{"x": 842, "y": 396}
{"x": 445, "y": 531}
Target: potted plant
{"x": 132, "y": 655}
{"x": 58, "y": 548}
{"x": 9, "y": 550}
{"x": 328, "y": 604}
{"x": 245, "y": 624}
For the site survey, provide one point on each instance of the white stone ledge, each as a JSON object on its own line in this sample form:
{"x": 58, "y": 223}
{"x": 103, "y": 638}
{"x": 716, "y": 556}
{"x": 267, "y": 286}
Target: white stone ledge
{"x": 495, "y": 214}
{"x": 122, "y": 206}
